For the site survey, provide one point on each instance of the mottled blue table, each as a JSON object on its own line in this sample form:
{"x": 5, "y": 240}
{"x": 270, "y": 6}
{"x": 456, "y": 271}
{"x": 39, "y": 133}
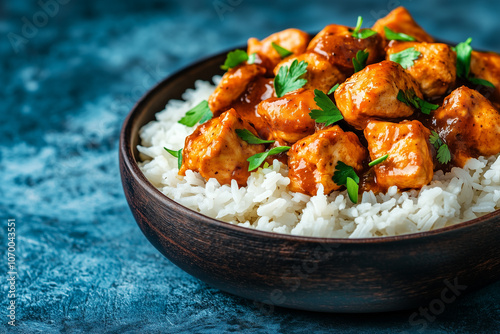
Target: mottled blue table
{"x": 71, "y": 71}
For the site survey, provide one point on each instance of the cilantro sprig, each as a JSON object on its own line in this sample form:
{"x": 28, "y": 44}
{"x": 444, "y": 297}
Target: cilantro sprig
{"x": 362, "y": 34}
{"x": 411, "y": 99}
{"x": 464, "y": 54}
{"x": 406, "y": 58}
{"x": 257, "y": 159}
{"x": 176, "y": 154}
{"x": 397, "y": 36}
{"x": 250, "y": 138}
{"x": 199, "y": 114}
{"x": 289, "y": 78}
{"x": 379, "y": 160}
{"x": 443, "y": 151}
{"x": 328, "y": 112}
{"x": 359, "y": 62}
{"x": 345, "y": 175}
{"x": 234, "y": 58}
{"x": 281, "y": 50}
{"x": 333, "y": 89}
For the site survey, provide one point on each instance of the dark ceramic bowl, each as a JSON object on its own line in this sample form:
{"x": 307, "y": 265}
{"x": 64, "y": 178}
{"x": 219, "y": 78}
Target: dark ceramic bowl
{"x": 319, "y": 274}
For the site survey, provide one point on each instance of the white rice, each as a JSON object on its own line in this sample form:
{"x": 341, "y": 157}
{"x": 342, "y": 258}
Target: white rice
{"x": 267, "y": 204}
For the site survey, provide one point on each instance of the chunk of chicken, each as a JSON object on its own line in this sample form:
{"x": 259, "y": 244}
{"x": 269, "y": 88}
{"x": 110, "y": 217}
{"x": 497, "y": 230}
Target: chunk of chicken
{"x": 434, "y": 70}
{"x": 336, "y": 43}
{"x": 233, "y": 84}
{"x": 469, "y": 124}
{"x": 312, "y": 160}
{"x": 246, "y": 105}
{"x": 320, "y": 73}
{"x": 486, "y": 65}
{"x": 400, "y": 20}
{"x": 294, "y": 40}
{"x": 288, "y": 116}
{"x": 372, "y": 94}
{"x": 215, "y": 150}
{"x": 410, "y": 163}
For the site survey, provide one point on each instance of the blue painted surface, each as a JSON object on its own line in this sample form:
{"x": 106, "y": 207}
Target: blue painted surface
{"x": 83, "y": 264}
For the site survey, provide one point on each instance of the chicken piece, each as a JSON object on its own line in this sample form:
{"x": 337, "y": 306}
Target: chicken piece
{"x": 372, "y": 94}
{"x": 336, "y": 43}
{"x": 215, "y": 150}
{"x": 410, "y": 163}
{"x": 435, "y": 69}
{"x": 246, "y": 105}
{"x": 486, "y": 65}
{"x": 400, "y": 20}
{"x": 233, "y": 84}
{"x": 320, "y": 73}
{"x": 469, "y": 124}
{"x": 312, "y": 160}
{"x": 294, "y": 40}
{"x": 288, "y": 117}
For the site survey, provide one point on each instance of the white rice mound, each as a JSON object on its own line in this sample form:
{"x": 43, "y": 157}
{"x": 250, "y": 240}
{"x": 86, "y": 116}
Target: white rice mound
{"x": 267, "y": 204}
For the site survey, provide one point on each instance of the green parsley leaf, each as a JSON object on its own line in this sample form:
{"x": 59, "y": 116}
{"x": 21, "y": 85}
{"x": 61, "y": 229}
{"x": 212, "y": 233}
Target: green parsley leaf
{"x": 365, "y": 33}
{"x": 397, "y": 36}
{"x": 464, "y": 54}
{"x": 333, "y": 89}
{"x": 342, "y": 172}
{"x": 250, "y": 138}
{"x": 443, "y": 151}
{"x": 201, "y": 113}
{"x": 288, "y": 79}
{"x": 435, "y": 140}
{"x": 464, "y": 51}
{"x": 359, "y": 62}
{"x": 378, "y": 161}
{"x": 405, "y": 58}
{"x": 251, "y": 58}
{"x": 411, "y": 99}
{"x": 234, "y": 58}
{"x": 328, "y": 112}
{"x": 281, "y": 51}
{"x": 352, "y": 189}
{"x": 443, "y": 154}
{"x": 482, "y": 82}
{"x": 257, "y": 159}
{"x": 176, "y": 154}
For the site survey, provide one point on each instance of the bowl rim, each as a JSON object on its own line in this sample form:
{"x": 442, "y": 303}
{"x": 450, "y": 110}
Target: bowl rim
{"x": 125, "y": 152}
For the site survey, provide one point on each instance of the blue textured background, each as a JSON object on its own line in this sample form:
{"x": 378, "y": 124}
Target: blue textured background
{"x": 84, "y": 266}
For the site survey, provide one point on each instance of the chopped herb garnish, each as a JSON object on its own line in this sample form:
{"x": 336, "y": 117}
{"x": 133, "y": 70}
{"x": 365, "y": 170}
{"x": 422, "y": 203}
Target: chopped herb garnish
{"x": 234, "y": 58}
{"x": 201, "y": 113}
{"x": 464, "y": 54}
{"x": 176, "y": 154}
{"x": 443, "y": 152}
{"x": 405, "y": 58}
{"x": 333, "y": 89}
{"x": 328, "y": 112}
{"x": 251, "y": 58}
{"x": 362, "y": 34}
{"x": 411, "y": 99}
{"x": 397, "y": 36}
{"x": 352, "y": 190}
{"x": 359, "y": 62}
{"x": 250, "y": 138}
{"x": 257, "y": 159}
{"x": 281, "y": 50}
{"x": 379, "y": 160}
{"x": 346, "y": 176}
{"x": 288, "y": 79}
